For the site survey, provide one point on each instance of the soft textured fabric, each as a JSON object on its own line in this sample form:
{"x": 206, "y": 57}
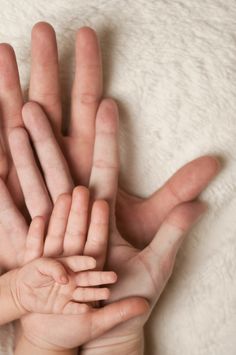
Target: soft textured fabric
{"x": 172, "y": 67}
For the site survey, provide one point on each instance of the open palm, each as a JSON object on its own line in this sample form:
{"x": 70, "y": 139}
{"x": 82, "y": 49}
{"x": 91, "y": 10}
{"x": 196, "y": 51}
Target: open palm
{"x": 78, "y": 145}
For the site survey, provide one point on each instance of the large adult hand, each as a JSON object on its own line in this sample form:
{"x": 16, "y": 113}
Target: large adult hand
{"x": 142, "y": 271}
{"x": 185, "y": 185}
{"x": 67, "y": 230}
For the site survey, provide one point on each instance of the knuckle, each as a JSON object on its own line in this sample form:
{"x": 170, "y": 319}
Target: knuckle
{"x": 88, "y": 98}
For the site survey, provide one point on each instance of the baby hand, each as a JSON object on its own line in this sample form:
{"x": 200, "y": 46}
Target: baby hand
{"x": 59, "y": 286}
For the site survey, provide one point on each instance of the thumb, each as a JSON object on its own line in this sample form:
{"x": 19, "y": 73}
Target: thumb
{"x": 118, "y": 312}
{"x": 167, "y": 241}
{"x": 53, "y": 268}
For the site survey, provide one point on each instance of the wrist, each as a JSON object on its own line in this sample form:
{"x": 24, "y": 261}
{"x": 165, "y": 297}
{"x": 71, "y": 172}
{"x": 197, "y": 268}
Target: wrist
{"x": 15, "y": 294}
{"x": 25, "y": 347}
{"x": 132, "y": 344}
{"x": 9, "y": 305}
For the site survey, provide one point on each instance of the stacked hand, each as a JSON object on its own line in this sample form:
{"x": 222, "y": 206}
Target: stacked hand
{"x": 142, "y": 249}
{"x": 58, "y": 286}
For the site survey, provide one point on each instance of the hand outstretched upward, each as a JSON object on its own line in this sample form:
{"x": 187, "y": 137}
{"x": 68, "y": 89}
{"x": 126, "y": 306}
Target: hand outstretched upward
{"x": 142, "y": 272}
{"x": 52, "y": 286}
{"x": 138, "y": 219}
{"x": 71, "y": 230}
{"x": 60, "y": 286}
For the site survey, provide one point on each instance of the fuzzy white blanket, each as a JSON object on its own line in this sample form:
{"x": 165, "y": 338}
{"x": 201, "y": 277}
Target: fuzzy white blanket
{"x": 172, "y": 66}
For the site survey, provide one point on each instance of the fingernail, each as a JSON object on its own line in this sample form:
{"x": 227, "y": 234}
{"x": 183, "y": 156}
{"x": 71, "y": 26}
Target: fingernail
{"x": 64, "y": 279}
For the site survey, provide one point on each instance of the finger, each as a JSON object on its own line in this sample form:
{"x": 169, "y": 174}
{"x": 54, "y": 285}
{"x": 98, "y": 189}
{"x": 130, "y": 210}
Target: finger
{"x": 10, "y": 217}
{"x": 35, "y": 239}
{"x": 44, "y": 78}
{"x": 76, "y": 230}
{"x": 87, "y": 86}
{"x": 35, "y": 193}
{"x": 82, "y": 294}
{"x": 95, "y": 278}
{"x": 104, "y": 174}
{"x": 3, "y": 162}
{"x": 79, "y": 262}
{"x": 97, "y": 239}
{"x": 10, "y": 90}
{"x": 53, "y": 268}
{"x": 185, "y": 185}
{"x": 116, "y": 313}
{"x": 57, "y": 225}
{"x": 75, "y": 308}
{"x": 53, "y": 163}
{"x": 168, "y": 239}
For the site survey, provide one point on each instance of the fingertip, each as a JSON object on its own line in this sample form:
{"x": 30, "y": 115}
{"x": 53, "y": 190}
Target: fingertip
{"x": 29, "y": 109}
{"x": 106, "y": 294}
{"x": 42, "y": 29}
{"x": 113, "y": 276}
{"x": 64, "y": 199}
{"x": 63, "y": 279}
{"x": 81, "y": 194}
{"x": 85, "y": 34}
{"x": 92, "y": 263}
{"x": 6, "y": 52}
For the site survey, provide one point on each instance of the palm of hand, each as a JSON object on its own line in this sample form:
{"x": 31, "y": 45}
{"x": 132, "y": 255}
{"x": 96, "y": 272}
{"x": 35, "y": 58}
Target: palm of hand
{"x": 40, "y": 293}
{"x": 144, "y": 272}
{"x": 13, "y": 231}
{"x": 66, "y": 331}
{"x": 136, "y": 277}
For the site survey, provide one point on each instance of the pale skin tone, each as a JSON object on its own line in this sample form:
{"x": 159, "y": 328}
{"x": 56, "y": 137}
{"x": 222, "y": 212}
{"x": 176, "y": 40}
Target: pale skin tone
{"x": 138, "y": 219}
{"x": 142, "y": 272}
{"x": 52, "y": 286}
{"x": 34, "y": 287}
{"x": 70, "y": 228}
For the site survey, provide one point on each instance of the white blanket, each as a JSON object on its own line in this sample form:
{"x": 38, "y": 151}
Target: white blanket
{"x": 172, "y": 67}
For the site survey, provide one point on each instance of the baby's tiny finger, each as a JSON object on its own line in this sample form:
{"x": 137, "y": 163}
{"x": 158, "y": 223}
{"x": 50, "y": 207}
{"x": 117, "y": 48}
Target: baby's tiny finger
{"x": 53, "y": 268}
{"x": 95, "y": 278}
{"x": 83, "y": 294}
{"x": 79, "y": 262}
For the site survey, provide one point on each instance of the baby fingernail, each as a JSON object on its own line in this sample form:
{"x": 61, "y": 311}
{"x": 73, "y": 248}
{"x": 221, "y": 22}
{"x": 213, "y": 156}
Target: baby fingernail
{"x": 64, "y": 279}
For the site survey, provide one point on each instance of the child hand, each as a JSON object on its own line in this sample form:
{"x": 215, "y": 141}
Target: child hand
{"x": 57, "y": 286}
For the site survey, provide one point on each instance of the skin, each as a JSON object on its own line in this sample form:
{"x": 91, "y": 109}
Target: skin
{"x": 69, "y": 226}
{"x": 142, "y": 272}
{"x": 86, "y": 97}
{"x": 53, "y": 286}
{"x": 137, "y": 219}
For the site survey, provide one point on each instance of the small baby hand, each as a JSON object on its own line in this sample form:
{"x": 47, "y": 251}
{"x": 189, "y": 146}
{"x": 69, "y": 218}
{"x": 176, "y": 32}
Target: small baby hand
{"x": 57, "y": 286}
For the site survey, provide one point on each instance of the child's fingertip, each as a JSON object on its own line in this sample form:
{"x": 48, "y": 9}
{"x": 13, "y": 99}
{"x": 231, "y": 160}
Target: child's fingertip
{"x": 64, "y": 279}
{"x": 107, "y": 294}
{"x": 92, "y": 262}
{"x": 114, "y": 276}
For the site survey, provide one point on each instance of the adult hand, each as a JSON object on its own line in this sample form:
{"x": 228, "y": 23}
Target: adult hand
{"x": 142, "y": 271}
{"x": 185, "y": 185}
{"x": 67, "y": 234}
